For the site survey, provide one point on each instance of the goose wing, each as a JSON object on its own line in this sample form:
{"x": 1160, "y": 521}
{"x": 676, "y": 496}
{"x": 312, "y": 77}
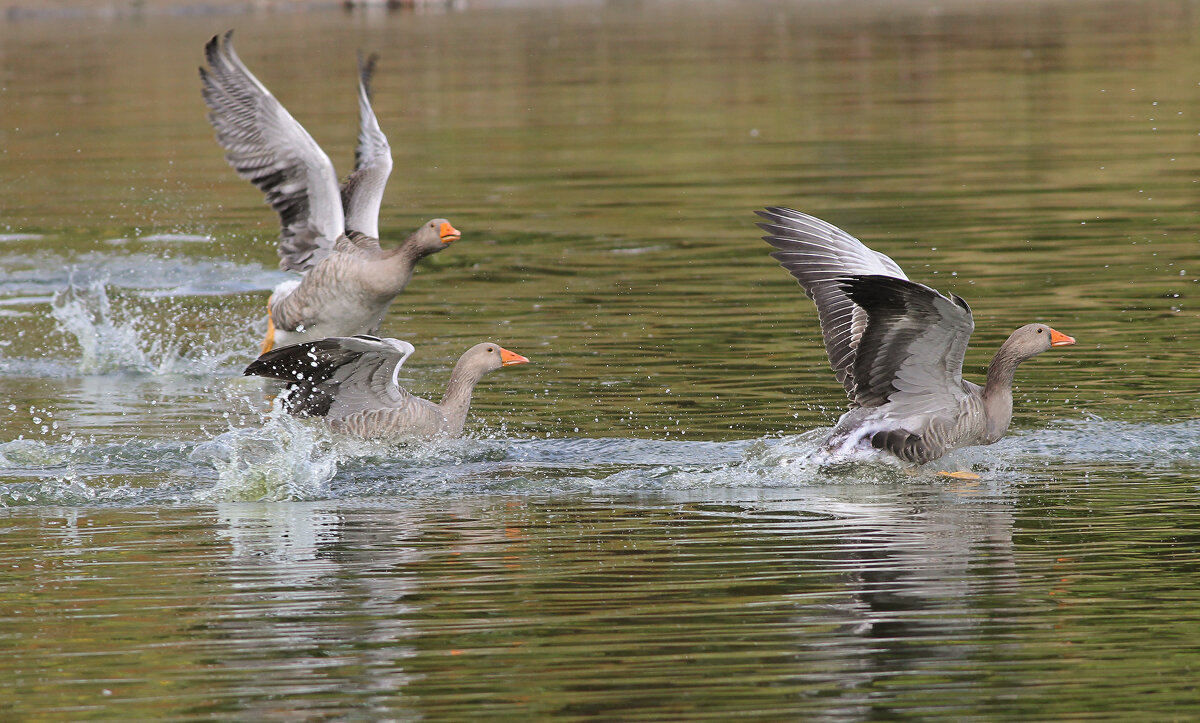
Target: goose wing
{"x": 266, "y": 145}
{"x": 911, "y": 351}
{"x": 338, "y": 376}
{"x": 362, "y": 193}
{"x": 358, "y": 244}
{"x": 820, "y": 255}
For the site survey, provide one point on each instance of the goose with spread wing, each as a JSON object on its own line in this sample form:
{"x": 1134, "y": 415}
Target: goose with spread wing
{"x": 353, "y": 383}
{"x": 330, "y": 234}
{"x": 898, "y": 346}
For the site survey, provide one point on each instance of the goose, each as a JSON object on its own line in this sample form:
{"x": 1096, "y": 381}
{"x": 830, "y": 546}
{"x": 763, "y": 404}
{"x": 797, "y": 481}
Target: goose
{"x": 352, "y": 382}
{"x": 329, "y": 234}
{"x": 898, "y": 346}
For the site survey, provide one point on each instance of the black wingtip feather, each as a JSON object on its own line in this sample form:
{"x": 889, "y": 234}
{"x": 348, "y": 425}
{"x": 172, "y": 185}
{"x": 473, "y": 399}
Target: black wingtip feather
{"x": 310, "y": 361}
{"x": 961, "y": 302}
{"x": 305, "y": 368}
{"x": 212, "y": 48}
{"x": 775, "y": 212}
{"x": 316, "y": 360}
{"x": 773, "y": 215}
{"x": 366, "y": 72}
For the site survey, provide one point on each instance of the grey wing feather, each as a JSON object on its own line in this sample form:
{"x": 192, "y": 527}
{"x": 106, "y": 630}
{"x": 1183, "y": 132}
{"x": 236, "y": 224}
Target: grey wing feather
{"x": 371, "y": 383}
{"x": 911, "y": 352}
{"x": 818, "y": 255}
{"x": 266, "y": 145}
{"x": 362, "y": 193}
{"x": 358, "y": 244}
{"x": 338, "y": 376}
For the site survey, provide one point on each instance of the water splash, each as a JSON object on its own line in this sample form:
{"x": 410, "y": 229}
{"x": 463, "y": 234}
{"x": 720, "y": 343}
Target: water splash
{"x": 290, "y": 458}
{"x": 284, "y": 459}
{"x": 85, "y": 313}
{"x": 133, "y": 339}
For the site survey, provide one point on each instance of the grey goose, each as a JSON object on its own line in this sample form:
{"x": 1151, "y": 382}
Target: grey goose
{"x": 897, "y": 347}
{"x": 353, "y": 383}
{"x": 329, "y": 233}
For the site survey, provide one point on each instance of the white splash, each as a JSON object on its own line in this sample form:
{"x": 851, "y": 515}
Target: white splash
{"x": 129, "y": 339}
{"x": 284, "y": 459}
{"x": 85, "y": 313}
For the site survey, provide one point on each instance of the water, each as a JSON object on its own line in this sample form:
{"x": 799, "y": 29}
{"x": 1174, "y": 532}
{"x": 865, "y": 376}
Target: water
{"x": 634, "y": 526}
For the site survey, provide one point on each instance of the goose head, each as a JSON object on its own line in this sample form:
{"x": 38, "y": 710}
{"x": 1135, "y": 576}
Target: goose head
{"x": 489, "y": 356}
{"x": 1033, "y": 339}
{"x": 433, "y": 236}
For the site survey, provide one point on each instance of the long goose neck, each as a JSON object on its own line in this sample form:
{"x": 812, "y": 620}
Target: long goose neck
{"x": 457, "y": 400}
{"x": 997, "y": 392}
{"x": 398, "y": 264}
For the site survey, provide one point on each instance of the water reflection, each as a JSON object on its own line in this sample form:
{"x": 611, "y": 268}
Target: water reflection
{"x": 828, "y": 597}
{"x": 841, "y": 590}
{"x": 847, "y": 600}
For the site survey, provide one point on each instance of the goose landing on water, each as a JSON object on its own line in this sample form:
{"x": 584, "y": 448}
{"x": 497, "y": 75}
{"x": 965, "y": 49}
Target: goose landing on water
{"x": 352, "y": 382}
{"x": 329, "y": 234}
{"x": 898, "y": 346}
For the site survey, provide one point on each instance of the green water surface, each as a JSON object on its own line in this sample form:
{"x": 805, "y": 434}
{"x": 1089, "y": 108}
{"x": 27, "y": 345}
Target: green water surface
{"x": 631, "y": 530}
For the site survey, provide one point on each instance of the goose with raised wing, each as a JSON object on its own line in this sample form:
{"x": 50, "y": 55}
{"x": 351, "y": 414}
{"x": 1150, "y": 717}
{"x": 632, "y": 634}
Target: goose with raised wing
{"x": 353, "y": 383}
{"x": 329, "y": 233}
{"x": 898, "y": 346}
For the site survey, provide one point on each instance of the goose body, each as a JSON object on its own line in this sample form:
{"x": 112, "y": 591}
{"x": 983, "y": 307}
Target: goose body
{"x": 329, "y": 233}
{"x": 897, "y": 347}
{"x": 353, "y": 383}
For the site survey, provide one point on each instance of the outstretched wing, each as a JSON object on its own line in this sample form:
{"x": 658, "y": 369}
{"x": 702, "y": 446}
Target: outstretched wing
{"x": 362, "y": 193}
{"x": 266, "y": 145}
{"x": 911, "y": 352}
{"x": 819, "y": 255}
{"x": 337, "y": 376}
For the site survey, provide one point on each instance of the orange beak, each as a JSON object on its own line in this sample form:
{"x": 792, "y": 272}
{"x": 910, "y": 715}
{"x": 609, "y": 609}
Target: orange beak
{"x": 1057, "y": 338}
{"x": 508, "y": 358}
{"x": 449, "y": 233}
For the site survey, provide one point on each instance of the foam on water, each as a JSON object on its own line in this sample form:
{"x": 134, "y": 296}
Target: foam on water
{"x": 289, "y": 458}
{"x": 134, "y": 313}
{"x": 285, "y": 458}
{"x": 295, "y": 459}
{"x": 1098, "y": 441}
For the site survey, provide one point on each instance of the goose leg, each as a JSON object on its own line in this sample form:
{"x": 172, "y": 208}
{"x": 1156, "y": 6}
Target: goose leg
{"x": 269, "y": 342}
{"x": 960, "y": 474}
